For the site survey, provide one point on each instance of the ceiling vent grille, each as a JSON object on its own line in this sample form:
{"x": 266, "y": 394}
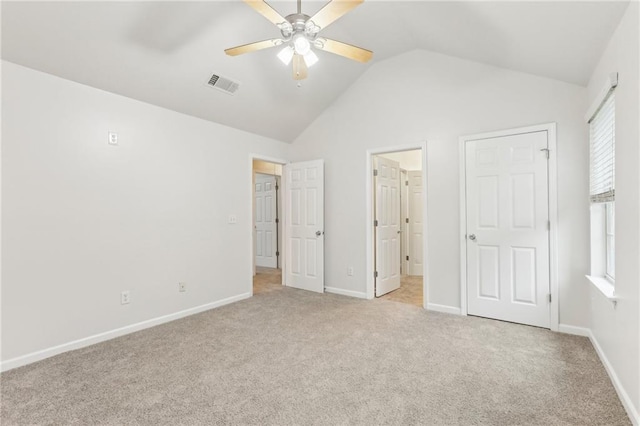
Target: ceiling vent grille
{"x": 223, "y": 84}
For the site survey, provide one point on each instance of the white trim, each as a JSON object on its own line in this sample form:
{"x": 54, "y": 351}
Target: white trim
{"x": 552, "y": 183}
{"x": 462, "y": 238}
{"x": 627, "y": 403}
{"x": 111, "y": 334}
{"x": 370, "y": 261}
{"x": 343, "y": 292}
{"x": 611, "y": 83}
{"x": 572, "y": 329}
{"x": 444, "y": 308}
{"x": 550, "y": 128}
{"x": 604, "y": 286}
{"x": 252, "y": 257}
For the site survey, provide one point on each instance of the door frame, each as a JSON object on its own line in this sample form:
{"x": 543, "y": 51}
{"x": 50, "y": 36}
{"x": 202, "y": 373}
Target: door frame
{"x": 370, "y": 254}
{"x": 251, "y": 215}
{"x": 552, "y": 182}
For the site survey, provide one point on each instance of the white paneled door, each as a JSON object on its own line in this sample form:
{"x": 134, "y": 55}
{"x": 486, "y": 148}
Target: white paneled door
{"x": 507, "y": 235}
{"x": 415, "y": 226}
{"x": 265, "y": 221}
{"x": 387, "y": 225}
{"x": 304, "y": 230}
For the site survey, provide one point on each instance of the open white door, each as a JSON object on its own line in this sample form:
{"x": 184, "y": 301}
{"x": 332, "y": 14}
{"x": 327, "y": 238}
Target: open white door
{"x": 387, "y": 225}
{"x": 304, "y": 225}
{"x": 415, "y": 226}
{"x": 265, "y": 220}
{"x": 508, "y": 228}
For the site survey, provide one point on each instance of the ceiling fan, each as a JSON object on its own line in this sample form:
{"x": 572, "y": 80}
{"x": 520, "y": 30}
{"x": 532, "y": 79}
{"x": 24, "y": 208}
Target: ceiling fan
{"x": 300, "y": 35}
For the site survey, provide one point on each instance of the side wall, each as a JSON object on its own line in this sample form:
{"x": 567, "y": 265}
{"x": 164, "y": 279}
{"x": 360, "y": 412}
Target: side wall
{"x": 616, "y": 328}
{"x": 83, "y": 220}
{"x": 421, "y": 96}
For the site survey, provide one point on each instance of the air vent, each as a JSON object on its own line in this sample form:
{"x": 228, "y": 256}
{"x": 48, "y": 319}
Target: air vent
{"x": 223, "y": 84}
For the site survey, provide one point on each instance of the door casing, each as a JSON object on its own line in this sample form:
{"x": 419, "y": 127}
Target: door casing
{"x": 550, "y": 128}
{"x": 370, "y": 259}
{"x": 251, "y": 214}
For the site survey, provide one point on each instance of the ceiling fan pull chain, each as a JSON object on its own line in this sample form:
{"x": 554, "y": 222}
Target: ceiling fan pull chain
{"x": 299, "y": 7}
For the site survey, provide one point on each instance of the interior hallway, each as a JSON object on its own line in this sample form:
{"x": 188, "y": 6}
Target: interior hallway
{"x": 266, "y": 280}
{"x": 410, "y": 291}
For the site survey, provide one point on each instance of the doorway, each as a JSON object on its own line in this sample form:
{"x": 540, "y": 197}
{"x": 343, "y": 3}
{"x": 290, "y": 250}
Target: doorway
{"x": 287, "y": 227}
{"x": 398, "y": 209}
{"x": 508, "y": 226}
{"x": 267, "y": 226}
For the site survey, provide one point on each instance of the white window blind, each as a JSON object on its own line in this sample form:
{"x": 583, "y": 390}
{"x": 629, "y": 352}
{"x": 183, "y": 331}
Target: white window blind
{"x": 603, "y": 145}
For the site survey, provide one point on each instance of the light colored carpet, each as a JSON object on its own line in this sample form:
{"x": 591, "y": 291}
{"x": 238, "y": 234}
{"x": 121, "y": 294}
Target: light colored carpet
{"x": 410, "y": 291}
{"x": 296, "y": 357}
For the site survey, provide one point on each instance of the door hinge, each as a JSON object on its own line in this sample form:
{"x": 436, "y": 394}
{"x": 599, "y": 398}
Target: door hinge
{"x": 277, "y": 253}
{"x": 548, "y": 225}
{"x": 375, "y": 172}
{"x": 406, "y": 183}
{"x": 549, "y": 297}
{"x": 406, "y": 220}
{"x": 407, "y": 257}
{"x": 375, "y": 274}
{"x": 375, "y": 222}
{"x": 277, "y": 187}
{"x": 546, "y": 152}
{"x": 277, "y": 220}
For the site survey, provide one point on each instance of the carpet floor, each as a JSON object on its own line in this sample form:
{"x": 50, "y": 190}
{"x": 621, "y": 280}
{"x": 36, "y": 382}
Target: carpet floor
{"x": 296, "y": 357}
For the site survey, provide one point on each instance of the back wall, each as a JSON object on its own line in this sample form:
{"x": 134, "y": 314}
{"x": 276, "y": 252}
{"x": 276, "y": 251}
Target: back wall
{"x": 421, "y": 96}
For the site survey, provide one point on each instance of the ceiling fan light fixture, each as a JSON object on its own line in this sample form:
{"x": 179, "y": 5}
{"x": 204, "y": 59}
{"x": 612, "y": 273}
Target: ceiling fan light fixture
{"x": 301, "y": 44}
{"x": 310, "y": 59}
{"x": 286, "y": 54}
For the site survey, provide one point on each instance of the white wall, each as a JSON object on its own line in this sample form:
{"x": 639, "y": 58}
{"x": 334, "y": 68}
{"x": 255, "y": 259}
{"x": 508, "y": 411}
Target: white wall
{"x": 421, "y": 95}
{"x": 616, "y": 329}
{"x": 408, "y": 160}
{"x": 83, "y": 220}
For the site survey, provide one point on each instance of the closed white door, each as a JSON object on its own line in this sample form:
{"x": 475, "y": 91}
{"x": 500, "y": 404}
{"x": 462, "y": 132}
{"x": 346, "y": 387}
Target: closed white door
{"x": 415, "y": 225}
{"x": 265, "y": 221}
{"x": 507, "y": 228}
{"x": 387, "y": 225}
{"x": 304, "y": 225}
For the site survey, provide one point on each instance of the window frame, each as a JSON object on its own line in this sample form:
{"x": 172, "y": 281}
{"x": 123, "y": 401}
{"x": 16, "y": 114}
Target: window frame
{"x": 602, "y": 203}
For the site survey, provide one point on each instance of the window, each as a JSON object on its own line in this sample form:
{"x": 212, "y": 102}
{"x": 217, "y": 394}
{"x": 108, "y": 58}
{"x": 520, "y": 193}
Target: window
{"x": 610, "y": 246}
{"x": 602, "y": 188}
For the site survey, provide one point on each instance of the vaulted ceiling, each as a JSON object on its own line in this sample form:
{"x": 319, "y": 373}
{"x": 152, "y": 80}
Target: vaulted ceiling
{"x": 163, "y": 53}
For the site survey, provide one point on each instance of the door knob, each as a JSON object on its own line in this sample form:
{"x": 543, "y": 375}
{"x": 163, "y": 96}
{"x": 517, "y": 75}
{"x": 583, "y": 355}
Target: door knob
{"x": 318, "y": 233}
{"x": 472, "y": 237}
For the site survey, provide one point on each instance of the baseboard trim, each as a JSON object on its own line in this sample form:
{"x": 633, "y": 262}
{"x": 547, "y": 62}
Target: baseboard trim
{"x": 342, "y": 292}
{"x": 108, "y": 335}
{"x": 444, "y": 309}
{"x": 633, "y": 414}
{"x": 572, "y": 329}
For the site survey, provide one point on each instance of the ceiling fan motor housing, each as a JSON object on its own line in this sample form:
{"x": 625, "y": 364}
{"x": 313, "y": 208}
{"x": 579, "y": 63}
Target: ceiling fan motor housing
{"x": 299, "y": 23}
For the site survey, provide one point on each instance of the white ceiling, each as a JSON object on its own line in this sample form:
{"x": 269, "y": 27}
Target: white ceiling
{"x": 164, "y": 52}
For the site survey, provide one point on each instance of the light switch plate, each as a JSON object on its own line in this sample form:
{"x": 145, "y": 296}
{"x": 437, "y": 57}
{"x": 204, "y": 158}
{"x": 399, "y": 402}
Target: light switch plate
{"x": 113, "y": 138}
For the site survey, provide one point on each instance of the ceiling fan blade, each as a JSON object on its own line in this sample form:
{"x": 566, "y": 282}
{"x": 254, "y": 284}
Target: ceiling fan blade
{"x": 265, "y": 10}
{"x": 333, "y": 11}
{"x": 299, "y": 67}
{"x": 252, "y": 47}
{"x": 343, "y": 49}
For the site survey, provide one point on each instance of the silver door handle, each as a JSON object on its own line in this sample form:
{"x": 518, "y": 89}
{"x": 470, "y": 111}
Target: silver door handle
{"x": 472, "y": 237}
{"x": 398, "y": 232}
{"x": 318, "y": 233}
